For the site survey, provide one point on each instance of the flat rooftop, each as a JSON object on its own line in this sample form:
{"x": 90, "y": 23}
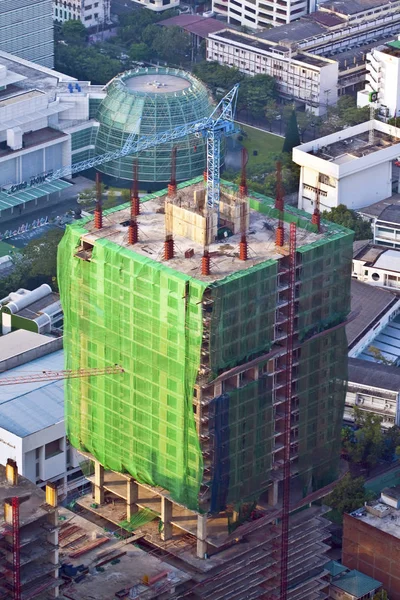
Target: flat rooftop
{"x": 21, "y": 340}
{"x": 352, "y": 7}
{"x": 387, "y": 521}
{"x": 21, "y": 97}
{"x": 224, "y": 254}
{"x": 32, "y": 508}
{"x": 351, "y": 148}
{"x": 34, "y": 138}
{"x": 375, "y": 210}
{"x": 385, "y": 377}
{"x": 159, "y": 84}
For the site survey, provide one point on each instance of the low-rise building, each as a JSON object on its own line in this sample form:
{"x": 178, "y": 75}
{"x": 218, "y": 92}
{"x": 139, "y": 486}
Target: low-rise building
{"x": 158, "y": 5}
{"x": 38, "y": 310}
{"x": 353, "y": 585}
{"x": 343, "y": 32}
{"x": 299, "y": 75}
{"x": 355, "y": 167}
{"x": 32, "y": 428}
{"x": 371, "y": 541}
{"x": 90, "y": 12}
{"x": 377, "y": 265}
{"x": 373, "y": 389}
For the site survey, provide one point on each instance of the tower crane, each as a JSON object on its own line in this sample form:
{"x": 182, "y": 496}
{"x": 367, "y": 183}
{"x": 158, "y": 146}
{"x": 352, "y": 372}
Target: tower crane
{"x": 219, "y": 123}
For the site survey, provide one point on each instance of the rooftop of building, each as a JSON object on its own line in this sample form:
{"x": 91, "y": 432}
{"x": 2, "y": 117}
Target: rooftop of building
{"x": 196, "y": 24}
{"x": 381, "y": 516}
{"x": 33, "y": 138}
{"x": 369, "y": 303}
{"x": 351, "y": 148}
{"x": 381, "y": 376}
{"x": 35, "y": 76}
{"x": 356, "y": 584}
{"x": 373, "y": 211}
{"x": 391, "y": 214}
{"x": 30, "y": 304}
{"x": 21, "y": 341}
{"x": 26, "y": 408}
{"x": 334, "y": 568}
{"x": 297, "y": 31}
{"x": 352, "y": 7}
{"x": 392, "y": 492}
{"x": 379, "y": 257}
{"x": 224, "y": 253}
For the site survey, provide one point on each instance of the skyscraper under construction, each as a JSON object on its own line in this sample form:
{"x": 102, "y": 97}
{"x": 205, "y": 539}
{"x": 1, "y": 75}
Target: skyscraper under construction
{"x": 232, "y": 340}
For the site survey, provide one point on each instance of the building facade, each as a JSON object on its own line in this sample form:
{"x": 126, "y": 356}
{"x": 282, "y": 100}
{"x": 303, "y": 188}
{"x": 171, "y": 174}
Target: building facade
{"x": 377, "y": 266}
{"x": 262, "y": 13}
{"x": 309, "y": 79}
{"x": 158, "y": 5}
{"x": 383, "y": 79}
{"x": 355, "y": 167}
{"x": 371, "y": 541}
{"x": 374, "y": 390}
{"x": 26, "y": 30}
{"x": 92, "y": 13}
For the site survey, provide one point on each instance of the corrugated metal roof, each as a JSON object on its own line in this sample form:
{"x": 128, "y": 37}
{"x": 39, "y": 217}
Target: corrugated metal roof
{"x": 356, "y": 583}
{"x": 28, "y": 408}
{"x": 380, "y": 376}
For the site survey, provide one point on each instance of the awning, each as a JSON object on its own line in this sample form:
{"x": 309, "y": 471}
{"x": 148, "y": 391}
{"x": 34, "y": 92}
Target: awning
{"x": 31, "y": 193}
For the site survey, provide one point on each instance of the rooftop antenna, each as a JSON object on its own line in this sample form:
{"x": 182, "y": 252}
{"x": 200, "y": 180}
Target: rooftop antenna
{"x": 279, "y": 205}
{"x": 133, "y": 236}
{"x": 98, "y": 211}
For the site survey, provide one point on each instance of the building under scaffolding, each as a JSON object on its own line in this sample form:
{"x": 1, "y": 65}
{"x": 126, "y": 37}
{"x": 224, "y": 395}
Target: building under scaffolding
{"x": 28, "y": 538}
{"x": 198, "y": 428}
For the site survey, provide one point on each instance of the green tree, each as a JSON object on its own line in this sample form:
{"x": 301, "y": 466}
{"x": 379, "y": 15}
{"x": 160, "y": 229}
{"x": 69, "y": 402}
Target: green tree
{"x": 217, "y": 76}
{"x": 139, "y": 52}
{"x": 381, "y": 595}
{"x": 74, "y": 32}
{"x": 349, "y": 218}
{"x": 36, "y": 264}
{"x": 292, "y": 138}
{"x": 348, "y": 495}
{"x": 86, "y": 64}
{"x": 367, "y": 445}
{"x": 125, "y": 195}
{"x": 254, "y": 92}
{"x": 172, "y": 45}
{"x": 271, "y": 112}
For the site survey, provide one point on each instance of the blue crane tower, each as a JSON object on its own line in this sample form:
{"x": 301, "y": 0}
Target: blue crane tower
{"x": 220, "y": 123}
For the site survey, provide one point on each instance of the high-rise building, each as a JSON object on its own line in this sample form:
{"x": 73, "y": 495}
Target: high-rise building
{"x": 197, "y": 419}
{"x": 26, "y": 30}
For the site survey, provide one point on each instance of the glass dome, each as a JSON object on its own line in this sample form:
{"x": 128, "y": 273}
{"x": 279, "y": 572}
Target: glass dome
{"x": 149, "y": 101}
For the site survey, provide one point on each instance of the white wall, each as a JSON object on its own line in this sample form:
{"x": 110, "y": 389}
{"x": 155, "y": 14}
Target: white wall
{"x": 10, "y": 447}
{"x": 366, "y": 187}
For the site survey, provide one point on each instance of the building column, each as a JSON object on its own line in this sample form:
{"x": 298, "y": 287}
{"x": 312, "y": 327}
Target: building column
{"x": 273, "y": 494}
{"x": 166, "y": 517}
{"x": 98, "y": 483}
{"x": 201, "y": 535}
{"x": 132, "y": 495}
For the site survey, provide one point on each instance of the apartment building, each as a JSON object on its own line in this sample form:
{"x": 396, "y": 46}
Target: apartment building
{"x": 310, "y": 79}
{"x": 91, "y": 13}
{"x": 26, "y": 30}
{"x": 263, "y": 13}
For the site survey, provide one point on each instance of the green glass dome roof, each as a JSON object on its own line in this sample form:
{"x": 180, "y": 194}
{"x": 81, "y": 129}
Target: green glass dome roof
{"x": 150, "y": 101}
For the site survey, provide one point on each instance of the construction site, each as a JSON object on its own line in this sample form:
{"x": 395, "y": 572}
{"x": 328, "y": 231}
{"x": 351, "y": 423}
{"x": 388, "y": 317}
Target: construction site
{"x": 226, "y": 311}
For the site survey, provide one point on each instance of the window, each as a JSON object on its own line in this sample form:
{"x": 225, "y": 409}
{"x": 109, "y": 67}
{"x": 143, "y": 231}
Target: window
{"x": 88, "y": 18}
{"x": 53, "y": 448}
{"x": 88, "y": 7}
{"x": 375, "y": 276}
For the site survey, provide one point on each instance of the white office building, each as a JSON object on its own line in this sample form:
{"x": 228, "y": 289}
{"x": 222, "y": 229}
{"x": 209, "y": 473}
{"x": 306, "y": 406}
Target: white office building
{"x": 383, "y": 79}
{"x": 92, "y": 13}
{"x": 26, "y": 30}
{"x": 45, "y": 124}
{"x": 32, "y": 429}
{"x": 310, "y": 79}
{"x": 355, "y": 167}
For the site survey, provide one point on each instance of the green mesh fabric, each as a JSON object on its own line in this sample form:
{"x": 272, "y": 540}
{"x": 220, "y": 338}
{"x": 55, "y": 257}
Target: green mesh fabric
{"x": 121, "y": 308}
{"x": 243, "y": 313}
{"x": 146, "y": 110}
{"x": 321, "y": 391}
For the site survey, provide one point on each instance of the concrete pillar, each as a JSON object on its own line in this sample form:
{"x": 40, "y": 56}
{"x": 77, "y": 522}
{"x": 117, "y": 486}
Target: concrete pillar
{"x": 132, "y": 495}
{"x": 201, "y": 535}
{"x": 166, "y": 517}
{"x": 98, "y": 483}
{"x": 273, "y": 494}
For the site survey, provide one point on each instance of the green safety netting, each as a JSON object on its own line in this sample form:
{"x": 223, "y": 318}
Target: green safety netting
{"x": 123, "y": 308}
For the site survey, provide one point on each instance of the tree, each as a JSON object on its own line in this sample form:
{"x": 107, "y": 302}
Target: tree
{"x": 36, "y": 264}
{"x": 367, "y": 445}
{"x": 86, "y": 64}
{"x": 271, "y": 112}
{"x": 139, "y": 52}
{"x": 172, "y": 45}
{"x": 348, "y": 495}
{"x": 125, "y": 195}
{"x": 217, "y": 76}
{"x": 292, "y": 138}
{"x": 254, "y": 92}
{"x": 349, "y": 218}
{"x": 74, "y": 32}
{"x": 381, "y": 595}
